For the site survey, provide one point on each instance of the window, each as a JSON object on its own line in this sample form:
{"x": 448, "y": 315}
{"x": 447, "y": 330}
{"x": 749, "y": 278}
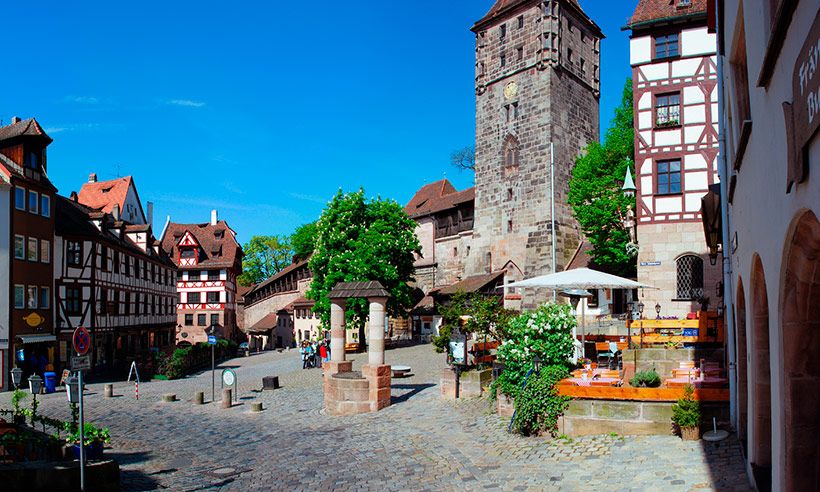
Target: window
{"x": 19, "y": 296}
{"x": 520, "y": 51}
{"x": 32, "y": 249}
{"x": 213, "y": 297}
{"x": 194, "y": 297}
{"x": 593, "y": 300}
{"x": 511, "y": 156}
{"x": 103, "y": 306}
{"x": 127, "y": 265}
{"x": 187, "y": 254}
{"x": 31, "y": 298}
{"x": 200, "y": 320}
{"x": 455, "y": 252}
{"x": 193, "y": 276}
{"x": 19, "y": 247}
{"x": 116, "y": 262}
{"x": 669, "y": 177}
{"x": 104, "y": 259}
{"x": 213, "y": 274}
{"x": 666, "y": 46}
{"x": 73, "y": 300}
{"x": 19, "y": 198}
{"x": 74, "y": 253}
{"x": 32, "y": 160}
{"x": 214, "y": 319}
{"x": 509, "y": 194}
{"x": 115, "y": 304}
{"x": 189, "y": 320}
{"x": 520, "y": 21}
{"x": 690, "y": 277}
{"x": 569, "y": 55}
{"x": 179, "y": 275}
{"x": 45, "y": 205}
{"x": 45, "y": 251}
{"x": 136, "y": 303}
{"x": 503, "y": 60}
{"x": 45, "y": 293}
{"x": 667, "y": 109}
{"x": 33, "y": 201}
{"x": 509, "y": 226}
{"x": 127, "y": 303}
{"x": 502, "y": 31}
{"x": 583, "y": 65}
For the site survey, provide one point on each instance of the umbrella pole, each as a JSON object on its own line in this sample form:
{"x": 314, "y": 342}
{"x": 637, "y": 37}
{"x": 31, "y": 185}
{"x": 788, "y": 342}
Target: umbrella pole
{"x": 583, "y": 329}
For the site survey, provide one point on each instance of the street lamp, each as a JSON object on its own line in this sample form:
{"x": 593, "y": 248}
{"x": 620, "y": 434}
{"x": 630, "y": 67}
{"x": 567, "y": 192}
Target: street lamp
{"x": 658, "y": 309}
{"x": 16, "y": 377}
{"x": 640, "y": 309}
{"x": 35, "y": 384}
{"x": 72, "y": 389}
{"x": 629, "y": 189}
{"x": 536, "y": 364}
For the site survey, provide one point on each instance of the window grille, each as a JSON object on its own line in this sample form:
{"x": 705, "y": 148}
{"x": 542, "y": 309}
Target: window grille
{"x": 690, "y": 277}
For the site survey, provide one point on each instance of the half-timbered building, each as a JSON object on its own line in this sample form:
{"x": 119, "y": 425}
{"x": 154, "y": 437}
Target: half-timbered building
{"x": 114, "y": 279}
{"x": 209, "y": 259}
{"x": 30, "y": 238}
{"x": 674, "y": 77}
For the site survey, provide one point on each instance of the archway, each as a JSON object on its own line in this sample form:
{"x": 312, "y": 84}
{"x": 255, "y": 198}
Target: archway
{"x": 800, "y": 315}
{"x": 742, "y": 367}
{"x": 761, "y": 445}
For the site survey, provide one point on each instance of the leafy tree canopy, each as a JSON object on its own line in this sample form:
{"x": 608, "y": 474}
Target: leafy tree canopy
{"x": 473, "y": 313}
{"x": 303, "y": 240}
{"x": 264, "y": 256}
{"x": 595, "y": 192}
{"x": 360, "y": 240}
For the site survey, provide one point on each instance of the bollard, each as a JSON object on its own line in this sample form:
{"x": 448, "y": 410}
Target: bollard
{"x": 109, "y": 390}
{"x": 199, "y": 398}
{"x": 256, "y": 407}
{"x": 227, "y": 398}
{"x": 169, "y": 397}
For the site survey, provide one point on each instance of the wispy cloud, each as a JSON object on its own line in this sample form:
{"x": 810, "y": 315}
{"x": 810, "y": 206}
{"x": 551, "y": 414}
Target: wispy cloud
{"x": 205, "y": 203}
{"x": 308, "y": 198}
{"x": 82, "y": 99}
{"x": 233, "y": 188}
{"x": 71, "y": 127}
{"x": 187, "y": 103}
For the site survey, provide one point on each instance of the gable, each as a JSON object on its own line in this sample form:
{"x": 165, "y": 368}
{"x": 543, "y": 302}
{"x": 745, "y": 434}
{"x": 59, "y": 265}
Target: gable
{"x": 187, "y": 240}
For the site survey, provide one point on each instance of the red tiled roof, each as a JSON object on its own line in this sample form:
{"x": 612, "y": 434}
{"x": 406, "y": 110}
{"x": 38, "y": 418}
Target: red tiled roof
{"x": 265, "y": 324}
{"x": 28, "y": 127}
{"x": 580, "y": 259}
{"x": 216, "y": 252}
{"x": 436, "y": 197}
{"x": 470, "y": 284}
{"x": 281, "y": 273}
{"x": 102, "y": 195}
{"x": 650, "y": 11}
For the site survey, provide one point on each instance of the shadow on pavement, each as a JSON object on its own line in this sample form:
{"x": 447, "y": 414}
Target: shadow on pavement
{"x": 414, "y": 390}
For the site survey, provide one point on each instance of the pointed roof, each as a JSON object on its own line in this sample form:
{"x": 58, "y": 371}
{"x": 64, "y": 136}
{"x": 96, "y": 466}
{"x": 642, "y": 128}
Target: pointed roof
{"x": 103, "y": 195}
{"x": 220, "y": 248}
{"x": 649, "y": 12}
{"x": 24, "y": 128}
{"x": 502, "y": 8}
{"x": 436, "y": 197}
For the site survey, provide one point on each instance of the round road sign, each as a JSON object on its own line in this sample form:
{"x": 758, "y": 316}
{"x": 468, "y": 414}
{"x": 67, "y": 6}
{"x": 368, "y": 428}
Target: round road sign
{"x": 81, "y": 341}
{"x": 228, "y": 377}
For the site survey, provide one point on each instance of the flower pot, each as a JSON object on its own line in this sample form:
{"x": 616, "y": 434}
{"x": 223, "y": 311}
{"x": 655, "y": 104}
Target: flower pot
{"x": 690, "y": 433}
{"x": 93, "y": 451}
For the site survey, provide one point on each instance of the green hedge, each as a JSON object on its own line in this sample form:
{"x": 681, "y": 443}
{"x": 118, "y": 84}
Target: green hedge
{"x": 184, "y": 361}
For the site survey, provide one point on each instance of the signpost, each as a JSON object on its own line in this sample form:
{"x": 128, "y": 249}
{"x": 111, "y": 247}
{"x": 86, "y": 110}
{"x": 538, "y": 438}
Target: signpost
{"x": 229, "y": 379}
{"x": 212, "y": 343}
{"x": 81, "y": 340}
{"x": 136, "y": 374}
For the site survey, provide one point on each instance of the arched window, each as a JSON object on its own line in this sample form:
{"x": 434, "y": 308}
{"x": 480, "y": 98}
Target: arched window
{"x": 690, "y": 277}
{"x": 511, "y": 155}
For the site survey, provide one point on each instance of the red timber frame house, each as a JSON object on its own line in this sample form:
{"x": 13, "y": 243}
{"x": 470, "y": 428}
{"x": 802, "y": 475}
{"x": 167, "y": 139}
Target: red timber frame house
{"x": 674, "y": 77}
{"x": 209, "y": 259}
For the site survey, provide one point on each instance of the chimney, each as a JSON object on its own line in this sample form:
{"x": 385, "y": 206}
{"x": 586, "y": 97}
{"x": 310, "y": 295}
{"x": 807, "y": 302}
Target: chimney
{"x": 73, "y": 196}
{"x": 115, "y": 212}
{"x": 151, "y": 214}
{"x": 213, "y": 218}
{"x": 15, "y": 119}
{"x": 92, "y": 178}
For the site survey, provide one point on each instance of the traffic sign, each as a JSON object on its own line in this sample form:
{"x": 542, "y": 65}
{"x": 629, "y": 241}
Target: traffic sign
{"x": 228, "y": 377}
{"x": 211, "y": 339}
{"x": 81, "y": 340}
{"x": 81, "y": 363}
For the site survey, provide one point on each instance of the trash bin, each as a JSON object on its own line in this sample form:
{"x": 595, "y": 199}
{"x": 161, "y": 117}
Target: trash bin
{"x": 51, "y": 382}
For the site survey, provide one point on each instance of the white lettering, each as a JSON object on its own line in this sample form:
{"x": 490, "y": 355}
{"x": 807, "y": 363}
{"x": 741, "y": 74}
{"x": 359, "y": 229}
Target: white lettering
{"x": 813, "y": 105}
{"x": 809, "y": 67}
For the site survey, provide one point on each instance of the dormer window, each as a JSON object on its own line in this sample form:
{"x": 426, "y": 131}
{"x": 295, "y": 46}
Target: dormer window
{"x": 219, "y": 234}
{"x": 32, "y": 160}
{"x": 187, "y": 254}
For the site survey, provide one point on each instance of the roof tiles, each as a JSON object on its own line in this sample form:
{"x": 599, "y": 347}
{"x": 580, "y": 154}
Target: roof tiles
{"x": 651, "y": 11}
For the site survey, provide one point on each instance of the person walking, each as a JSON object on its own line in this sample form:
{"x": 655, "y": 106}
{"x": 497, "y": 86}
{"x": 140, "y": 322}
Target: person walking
{"x": 323, "y": 352}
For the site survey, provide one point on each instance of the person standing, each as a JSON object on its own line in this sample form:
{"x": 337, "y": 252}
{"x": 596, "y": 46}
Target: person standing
{"x": 323, "y": 352}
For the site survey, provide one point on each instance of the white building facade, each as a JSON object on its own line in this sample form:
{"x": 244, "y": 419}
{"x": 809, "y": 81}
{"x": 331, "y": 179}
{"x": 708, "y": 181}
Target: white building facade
{"x": 674, "y": 77}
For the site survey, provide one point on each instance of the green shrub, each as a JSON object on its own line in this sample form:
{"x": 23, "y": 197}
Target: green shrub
{"x": 686, "y": 412}
{"x": 442, "y": 341}
{"x": 538, "y": 405}
{"x": 645, "y": 379}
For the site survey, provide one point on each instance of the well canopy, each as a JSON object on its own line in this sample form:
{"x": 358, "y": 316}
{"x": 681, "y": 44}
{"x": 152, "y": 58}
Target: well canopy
{"x": 579, "y": 278}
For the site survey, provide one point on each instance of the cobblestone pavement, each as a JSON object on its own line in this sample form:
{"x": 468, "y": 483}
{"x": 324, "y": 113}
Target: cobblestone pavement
{"x": 419, "y": 443}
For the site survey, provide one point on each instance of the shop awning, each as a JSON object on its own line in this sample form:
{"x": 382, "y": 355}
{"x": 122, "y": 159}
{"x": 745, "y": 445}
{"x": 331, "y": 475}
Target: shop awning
{"x": 36, "y": 338}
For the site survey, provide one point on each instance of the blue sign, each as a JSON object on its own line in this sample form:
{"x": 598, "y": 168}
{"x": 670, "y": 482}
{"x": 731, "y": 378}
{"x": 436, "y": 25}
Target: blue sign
{"x": 211, "y": 339}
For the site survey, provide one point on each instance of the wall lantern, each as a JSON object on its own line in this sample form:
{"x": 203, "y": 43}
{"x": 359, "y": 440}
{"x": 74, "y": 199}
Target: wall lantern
{"x": 35, "y": 384}
{"x": 16, "y": 377}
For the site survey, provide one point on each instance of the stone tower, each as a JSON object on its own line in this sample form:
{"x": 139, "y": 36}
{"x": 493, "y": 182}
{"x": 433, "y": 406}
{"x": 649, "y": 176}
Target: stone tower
{"x": 537, "y": 83}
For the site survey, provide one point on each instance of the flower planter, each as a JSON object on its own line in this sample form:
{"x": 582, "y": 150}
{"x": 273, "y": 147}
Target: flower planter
{"x": 93, "y": 451}
{"x": 690, "y": 433}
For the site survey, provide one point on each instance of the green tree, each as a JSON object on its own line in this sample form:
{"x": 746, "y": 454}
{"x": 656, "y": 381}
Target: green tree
{"x": 360, "y": 240}
{"x": 595, "y": 192}
{"x": 472, "y": 313}
{"x": 263, "y": 257}
{"x": 303, "y": 240}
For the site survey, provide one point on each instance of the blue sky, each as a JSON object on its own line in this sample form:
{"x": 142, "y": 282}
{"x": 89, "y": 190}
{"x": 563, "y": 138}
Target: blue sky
{"x": 260, "y": 109}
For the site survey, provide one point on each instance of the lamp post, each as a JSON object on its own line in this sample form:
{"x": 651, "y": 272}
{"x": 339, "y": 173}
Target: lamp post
{"x": 73, "y": 389}
{"x": 536, "y": 364}
{"x": 16, "y": 377}
{"x": 658, "y": 310}
{"x": 629, "y": 189}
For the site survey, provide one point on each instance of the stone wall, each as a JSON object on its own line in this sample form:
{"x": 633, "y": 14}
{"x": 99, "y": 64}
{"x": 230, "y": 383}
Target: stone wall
{"x": 664, "y": 360}
{"x": 539, "y": 98}
{"x": 255, "y": 312}
{"x": 451, "y": 254}
{"x": 665, "y": 243}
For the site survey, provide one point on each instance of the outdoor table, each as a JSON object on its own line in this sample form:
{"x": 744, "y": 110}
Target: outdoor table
{"x": 577, "y": 373}
{"x": 708, "y": 381}
{"x": 585, "y": 382}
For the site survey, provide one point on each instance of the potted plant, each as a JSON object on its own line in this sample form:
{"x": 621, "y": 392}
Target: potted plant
{"x": 94, "y": 440}
{"x": 18, "y": 417}
{"x": 686, "y": 415}
{"x": 645, "y": 379}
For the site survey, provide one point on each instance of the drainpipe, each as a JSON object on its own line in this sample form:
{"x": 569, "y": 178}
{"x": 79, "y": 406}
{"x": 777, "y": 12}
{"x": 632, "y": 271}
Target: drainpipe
{"x": 728, "y": 290}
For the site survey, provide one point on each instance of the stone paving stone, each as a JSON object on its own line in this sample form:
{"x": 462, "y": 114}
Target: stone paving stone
{"x": 419, "y": 443}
